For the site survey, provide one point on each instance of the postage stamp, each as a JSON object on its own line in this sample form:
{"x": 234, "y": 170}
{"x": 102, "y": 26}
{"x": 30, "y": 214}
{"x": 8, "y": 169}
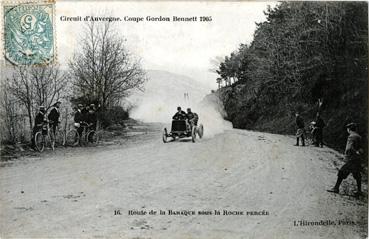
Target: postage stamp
{"x": 29, "y": 36}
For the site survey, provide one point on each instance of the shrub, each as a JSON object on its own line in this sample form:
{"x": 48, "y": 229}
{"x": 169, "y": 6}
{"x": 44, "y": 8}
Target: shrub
{"x": 113, "y": 116}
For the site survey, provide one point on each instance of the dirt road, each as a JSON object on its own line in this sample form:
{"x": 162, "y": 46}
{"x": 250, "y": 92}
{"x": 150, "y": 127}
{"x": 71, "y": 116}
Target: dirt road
{"x": 75, "y": 192}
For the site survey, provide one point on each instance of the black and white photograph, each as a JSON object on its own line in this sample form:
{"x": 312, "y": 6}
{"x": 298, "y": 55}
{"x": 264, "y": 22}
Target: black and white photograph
{"x": 184, "y": 119}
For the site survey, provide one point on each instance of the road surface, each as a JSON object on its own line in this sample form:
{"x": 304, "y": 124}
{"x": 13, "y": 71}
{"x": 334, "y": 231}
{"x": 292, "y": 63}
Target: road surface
{"x": 264, "y": 184}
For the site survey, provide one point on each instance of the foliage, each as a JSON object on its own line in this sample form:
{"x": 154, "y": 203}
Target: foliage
{"x": 25, "y": 90}
{"x": 303, "y": 52}
{"x": 113, "y": 116}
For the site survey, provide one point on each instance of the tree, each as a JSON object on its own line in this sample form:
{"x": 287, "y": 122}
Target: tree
{"x": 21, "y": 87}
{"x": 8, "y": 113}
{"x": 214, "y": 63}
{"x": 219, "y": 82}
{"x": 103, "y": 71}
{"x": 303, "y": 53}
{"x": 33, "y": 86}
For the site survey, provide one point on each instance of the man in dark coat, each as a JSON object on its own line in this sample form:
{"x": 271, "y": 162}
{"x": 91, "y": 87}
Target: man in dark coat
{"x": 84, "y": 113}
{"x": 78, "y": 119}
{"x": 319, "y": 130}
{"x": 39, "y": 122}
{"x": 353, "y": 153}
{"x": 91, "y": 121}
{"x": 54, "y": 116}
{"x": 92, "y": 117}
{"x": 78, "y": 114}
{"x": 180, "y": 115}
{"x": 300, "y": 130}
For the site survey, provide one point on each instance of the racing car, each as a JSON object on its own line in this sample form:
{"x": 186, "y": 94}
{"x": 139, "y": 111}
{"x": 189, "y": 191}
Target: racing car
{"x": 183, "y": 129}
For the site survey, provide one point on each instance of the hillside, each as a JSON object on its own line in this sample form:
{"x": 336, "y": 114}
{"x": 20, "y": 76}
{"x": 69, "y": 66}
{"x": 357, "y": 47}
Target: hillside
{"x": 304, "y": 53}
{"x": 164, "y": 91}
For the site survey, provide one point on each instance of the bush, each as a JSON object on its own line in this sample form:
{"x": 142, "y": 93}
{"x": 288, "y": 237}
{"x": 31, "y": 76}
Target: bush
{"x": 113, "y": 116}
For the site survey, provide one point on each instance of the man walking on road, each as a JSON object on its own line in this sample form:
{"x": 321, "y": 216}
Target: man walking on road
{"x": 300, "y": 130}
{"x": 352, "y": 155}
{"x": 319, "y": 130}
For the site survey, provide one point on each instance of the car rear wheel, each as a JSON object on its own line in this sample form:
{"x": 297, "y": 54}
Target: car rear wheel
{"x": 200, "y": 130}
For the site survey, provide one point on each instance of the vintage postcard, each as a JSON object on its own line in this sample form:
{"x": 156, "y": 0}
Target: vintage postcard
{"x": 174, "y": 119}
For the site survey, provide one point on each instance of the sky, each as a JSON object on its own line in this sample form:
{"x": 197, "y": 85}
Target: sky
{"x": 179, "y": 47}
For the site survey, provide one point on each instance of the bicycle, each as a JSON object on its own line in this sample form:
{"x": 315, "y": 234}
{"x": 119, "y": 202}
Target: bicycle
{"x": 87, "y": 136}
{"x": 45, "y": 136}
{"x": 42, "y": 137}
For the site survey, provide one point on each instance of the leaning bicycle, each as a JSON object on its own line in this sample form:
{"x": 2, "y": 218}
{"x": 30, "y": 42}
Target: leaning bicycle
{"x": 82, "y": 135}
{"x": 42, "y": 138}
{"x": 47, "y": 137}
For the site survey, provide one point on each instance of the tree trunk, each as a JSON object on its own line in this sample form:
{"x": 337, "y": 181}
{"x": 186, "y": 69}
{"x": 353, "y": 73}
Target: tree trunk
{"x": 29, "y": 111}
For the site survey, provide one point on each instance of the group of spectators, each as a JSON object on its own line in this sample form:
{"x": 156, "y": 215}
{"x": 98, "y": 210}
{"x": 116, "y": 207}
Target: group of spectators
{"x": 85, "y": 117}
{"x": 42, "y": 119}
{"x": 316, "y": 128}
{"x": 353, "y": 150}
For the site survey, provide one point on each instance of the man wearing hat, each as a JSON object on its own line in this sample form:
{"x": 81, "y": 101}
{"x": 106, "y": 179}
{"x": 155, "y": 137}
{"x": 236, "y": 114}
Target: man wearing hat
{"x": 300, "y": 130}
{"x": 319, "y": 130}
{"x": 78, "y": 119}
{"x": 92, "y": 117}
{"x": 54, "y": 116}
{"x": 353, "y": 152}
{"x": 40, "y": 119}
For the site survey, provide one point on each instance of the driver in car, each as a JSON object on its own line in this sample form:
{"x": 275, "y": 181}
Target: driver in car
{"x": 180, "y": 115}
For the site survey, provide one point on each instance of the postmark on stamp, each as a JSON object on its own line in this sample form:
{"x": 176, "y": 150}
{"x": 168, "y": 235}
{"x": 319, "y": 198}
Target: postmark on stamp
{"x": 29, "y": 36}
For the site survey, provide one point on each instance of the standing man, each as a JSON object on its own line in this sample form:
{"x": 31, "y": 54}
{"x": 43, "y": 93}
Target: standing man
{"x": 300, "y": 130}
{"x": 85, "y": 115}
{"x": 91, "y": 121}
{"x": 54, "y": 116}
{"x": 319, "y": 130}
{"x": 78, "y": 119}
{"x": 84, "y": 112}
{"x": 352, "y": 155}
{"x": 92, "y": 117}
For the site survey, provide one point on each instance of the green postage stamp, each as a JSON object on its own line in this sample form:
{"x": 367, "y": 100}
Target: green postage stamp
{"x": 29, "y": 36}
